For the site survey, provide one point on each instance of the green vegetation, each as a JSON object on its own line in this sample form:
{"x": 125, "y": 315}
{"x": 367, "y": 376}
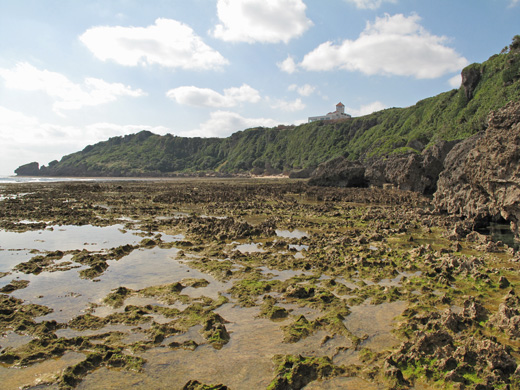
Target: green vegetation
{"x": 456, "y": 114}
{"x": 295, "y": 372}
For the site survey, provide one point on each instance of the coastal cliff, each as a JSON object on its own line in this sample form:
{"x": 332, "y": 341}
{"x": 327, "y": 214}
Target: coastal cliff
{"x": 381, "y": 140}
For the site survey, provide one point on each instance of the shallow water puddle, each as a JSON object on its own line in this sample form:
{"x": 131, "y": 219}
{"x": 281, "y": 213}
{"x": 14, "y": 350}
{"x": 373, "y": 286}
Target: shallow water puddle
{"x": 13, "y": 340}
{"x": 244, "y": 363}
{"x": 296, "y": 233}
{"x": 249, "y": 248}
{"x": 342, "y": 383}
{"x": 69, "y": 237}
{"x": 37, "y": 374}
{"x": 69, "y": 295}
{"x": 375, "y": 321}
{"x": 284, "y": 274}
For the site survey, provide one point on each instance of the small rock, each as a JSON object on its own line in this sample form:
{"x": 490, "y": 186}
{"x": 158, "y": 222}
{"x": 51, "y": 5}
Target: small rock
{"x": 503, "y": 282}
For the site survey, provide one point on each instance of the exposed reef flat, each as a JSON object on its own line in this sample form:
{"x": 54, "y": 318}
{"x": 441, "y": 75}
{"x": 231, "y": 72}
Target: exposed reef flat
{"x": 233, "y": 284}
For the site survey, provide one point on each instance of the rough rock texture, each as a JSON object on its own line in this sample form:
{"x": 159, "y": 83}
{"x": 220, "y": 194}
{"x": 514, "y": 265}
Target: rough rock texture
{"x": 445, "y": 346}
{"x": 412, "y": 171}
{"x": 507, "y": 318}
{"x": 339, "y": 172}
{"x": 470, "y": 78}
{"x": 481, "y": 179}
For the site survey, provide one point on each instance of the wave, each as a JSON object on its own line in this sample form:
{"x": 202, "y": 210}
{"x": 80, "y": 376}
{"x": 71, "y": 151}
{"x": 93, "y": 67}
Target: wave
{"x": 26, "y": 179}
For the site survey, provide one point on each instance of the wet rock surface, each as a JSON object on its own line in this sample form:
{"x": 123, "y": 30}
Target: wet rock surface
{"x": 303, "y": 305}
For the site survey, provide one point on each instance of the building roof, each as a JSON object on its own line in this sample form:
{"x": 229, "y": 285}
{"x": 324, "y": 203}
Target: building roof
{"x": 340, "y": 104}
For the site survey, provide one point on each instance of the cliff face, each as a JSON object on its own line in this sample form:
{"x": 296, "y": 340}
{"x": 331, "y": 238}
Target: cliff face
{"x": 482, "y": 174}
{"x": 412, "y": 171}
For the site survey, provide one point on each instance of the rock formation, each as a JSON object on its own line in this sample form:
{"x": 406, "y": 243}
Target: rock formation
{"x": 412, "y": 171}
{"x": 30, "y": 169}
{"x": 481, "y": 179}
{"x": 339, "y": 172}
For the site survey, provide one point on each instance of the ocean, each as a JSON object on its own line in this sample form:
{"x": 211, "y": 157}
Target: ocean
{"x": 27, "y": 179}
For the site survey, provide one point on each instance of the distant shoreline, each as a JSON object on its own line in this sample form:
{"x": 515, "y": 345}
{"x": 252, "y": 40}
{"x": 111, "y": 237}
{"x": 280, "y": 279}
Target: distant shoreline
{"x": 54, "y": 179}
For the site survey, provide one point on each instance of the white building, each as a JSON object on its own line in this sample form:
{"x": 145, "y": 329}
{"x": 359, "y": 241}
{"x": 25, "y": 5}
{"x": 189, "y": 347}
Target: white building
{"x": 338, "y": 114}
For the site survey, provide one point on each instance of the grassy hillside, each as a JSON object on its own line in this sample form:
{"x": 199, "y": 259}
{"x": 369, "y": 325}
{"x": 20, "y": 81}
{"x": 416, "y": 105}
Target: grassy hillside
{"x": 455, "y": 114}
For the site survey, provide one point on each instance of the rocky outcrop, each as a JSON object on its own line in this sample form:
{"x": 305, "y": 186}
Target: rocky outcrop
{"x": 481, "y": 179}
{"x": 470, "y": 79}
{"x": 339, "y": 172}
{"x": 413, "y": 171}
{"x": 507, "y": 318}
{"x": 447, "y": 341}
{"x": 30, "y": 169}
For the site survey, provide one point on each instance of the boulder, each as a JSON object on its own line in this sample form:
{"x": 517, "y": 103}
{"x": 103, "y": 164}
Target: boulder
{"x": 339, "y": 172}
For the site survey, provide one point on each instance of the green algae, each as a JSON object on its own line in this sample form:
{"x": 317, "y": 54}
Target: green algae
{"x": 40, "y": 263}
{"x": 269, "y": 310}
{"x": 18, "y": 316}
{"x": 101, "y": 356}
{"x": 117, "y": 297}
{"x": 14, "y": 285}
{"x": 295, "y": 372}
{"x": 196, "y": 385}
{"x": 247, "y": 290}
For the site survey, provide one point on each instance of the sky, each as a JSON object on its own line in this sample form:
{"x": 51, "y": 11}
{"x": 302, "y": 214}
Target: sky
{"x": 77, "y": 72}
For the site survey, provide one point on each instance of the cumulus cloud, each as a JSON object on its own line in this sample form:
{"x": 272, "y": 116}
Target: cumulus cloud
{"x": 304, "y": 90}
{"x": 269, "y": 21}
{"x": 392, "y": 45}
{"x": 224, "y": 123}
{"x": 167, "y": 43}
{"x": 366, "y": 109}
{"x": 370, "y": 4}
{"x": 288, "y": 65}
{"x": 205, "y": 97}
{"x": 68, "y": 95}
{"x": 25, "y": 138}
{"x": 455, "y": 81}
{"x": 290, "y": 106}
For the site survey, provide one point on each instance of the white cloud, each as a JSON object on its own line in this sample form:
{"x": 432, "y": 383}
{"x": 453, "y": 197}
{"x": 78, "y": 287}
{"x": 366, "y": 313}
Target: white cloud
{"x": 304, "y": 90}
{"x": 288, "y": 65}
{"x": 68, "y": 95}
{"x": 205, "y": 97}
{"x": 370, "y": 4}
{"x": 269, "y": 21}
{"x": 224, "y": 123}
{"x": 290, "y": 106}
{"x": 168, "y": 43}
{"x": 366, "y": 109}
{"x": 514, "y": 3}
{"x": 392, "y": 45}
{"x": 24, "y": 138}
{"x": 455, "y": 81}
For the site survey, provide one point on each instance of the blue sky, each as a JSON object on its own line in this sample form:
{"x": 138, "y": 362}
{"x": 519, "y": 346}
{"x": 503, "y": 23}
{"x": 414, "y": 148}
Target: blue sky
{"x": 77, "y": 72}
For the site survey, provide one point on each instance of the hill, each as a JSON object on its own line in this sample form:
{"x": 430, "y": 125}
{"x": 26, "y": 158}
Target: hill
{"x": 453, "y": 115}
